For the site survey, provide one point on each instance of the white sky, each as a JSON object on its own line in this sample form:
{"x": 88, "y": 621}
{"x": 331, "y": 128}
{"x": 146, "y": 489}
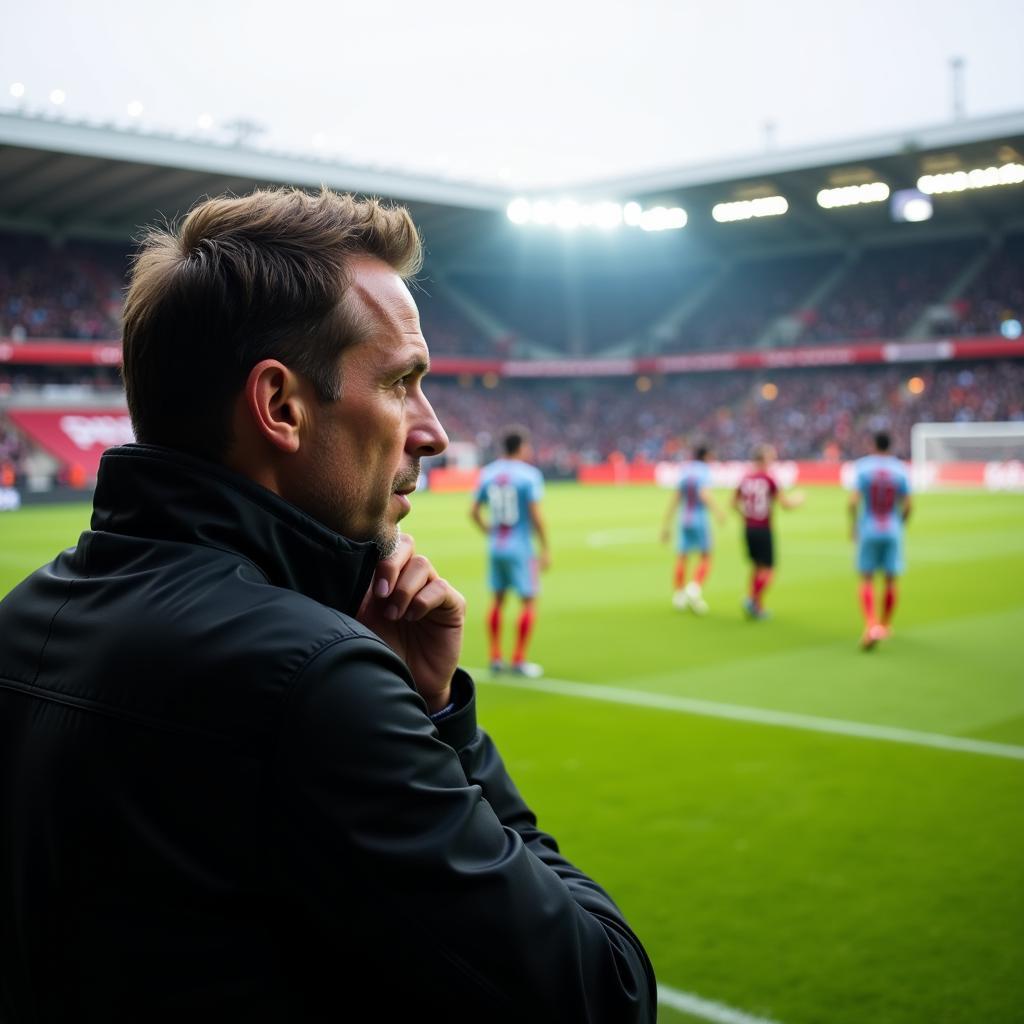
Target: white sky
{"x": 521, "y": 95}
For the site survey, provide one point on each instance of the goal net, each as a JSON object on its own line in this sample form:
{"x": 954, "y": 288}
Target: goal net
{"x": 979, "y": 455}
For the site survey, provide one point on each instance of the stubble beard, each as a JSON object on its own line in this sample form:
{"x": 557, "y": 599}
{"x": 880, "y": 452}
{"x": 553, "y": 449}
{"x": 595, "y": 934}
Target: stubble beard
{"x": 385, "y": 535}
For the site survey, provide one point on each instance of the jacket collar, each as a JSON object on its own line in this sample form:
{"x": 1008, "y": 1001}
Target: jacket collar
{"x": 163, "y": 494}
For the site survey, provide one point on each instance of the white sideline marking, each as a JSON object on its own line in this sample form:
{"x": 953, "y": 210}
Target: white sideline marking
{"x": 706, "y": 1009}
{"x": 763, "y": 716}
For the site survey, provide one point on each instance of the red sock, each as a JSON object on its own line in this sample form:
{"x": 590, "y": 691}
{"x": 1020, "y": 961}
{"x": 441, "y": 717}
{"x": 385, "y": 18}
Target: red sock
{"x": 525, "y": 626}
{"x": 680, "y": 571}
{"x": 494, "y": 629}
{"x": 702, "y": 570}
{"x": 762, "y": 577}
{"x": 889, "y": 601}
{"x": 867, "y": 601}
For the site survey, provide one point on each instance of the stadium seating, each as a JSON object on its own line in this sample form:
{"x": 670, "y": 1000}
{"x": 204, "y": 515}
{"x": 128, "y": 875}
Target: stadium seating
{"x": 74, "y": 291}
{"x": 815, "y": 414}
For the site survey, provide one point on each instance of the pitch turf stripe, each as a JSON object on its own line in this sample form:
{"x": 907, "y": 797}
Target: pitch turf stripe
{"x": 764, "y": 716}
{"x": 706, "y": 1009}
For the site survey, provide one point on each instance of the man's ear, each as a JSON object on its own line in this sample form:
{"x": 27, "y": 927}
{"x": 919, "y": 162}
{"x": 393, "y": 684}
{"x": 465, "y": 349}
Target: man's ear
{"x": 276, "y": 399}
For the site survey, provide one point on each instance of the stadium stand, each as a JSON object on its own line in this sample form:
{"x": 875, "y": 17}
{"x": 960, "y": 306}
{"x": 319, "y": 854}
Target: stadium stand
{"x": 745, "y": 306}
{"x": 886, "y": 290}
{"x": 73, "y": 291}
{"x": 995, "y": 296}
{"x": 814, "y": 414}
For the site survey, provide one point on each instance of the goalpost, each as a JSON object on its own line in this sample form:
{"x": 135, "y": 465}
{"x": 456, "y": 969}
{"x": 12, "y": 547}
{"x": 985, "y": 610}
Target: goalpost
{"x": 989, "y": 456}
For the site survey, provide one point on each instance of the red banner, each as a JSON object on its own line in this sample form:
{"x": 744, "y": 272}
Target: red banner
{"x": 75, "y": 437}
{"x": 84, "y": 353}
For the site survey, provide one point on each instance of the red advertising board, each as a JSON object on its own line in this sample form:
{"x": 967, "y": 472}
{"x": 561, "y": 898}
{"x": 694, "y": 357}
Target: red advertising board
{"x": 878, "y": 351}
{"x": 75, "y": 437}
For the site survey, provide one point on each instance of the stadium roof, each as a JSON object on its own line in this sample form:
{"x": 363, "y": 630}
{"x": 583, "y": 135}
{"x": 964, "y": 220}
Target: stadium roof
{"x": 78, "y": 178}
{"x": 82, "y": 179}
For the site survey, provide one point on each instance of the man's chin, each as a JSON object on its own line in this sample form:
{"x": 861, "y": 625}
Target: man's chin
{"x": 386, "y": 539}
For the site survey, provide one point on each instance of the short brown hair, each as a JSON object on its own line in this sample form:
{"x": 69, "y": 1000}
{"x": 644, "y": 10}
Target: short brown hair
{"x": 243, "y": 279}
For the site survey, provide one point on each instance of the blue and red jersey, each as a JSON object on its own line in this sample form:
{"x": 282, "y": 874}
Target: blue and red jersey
{"x": 883, "y": 483}
{"x": 694, "y": 478}
{"x": 509, "y": 487}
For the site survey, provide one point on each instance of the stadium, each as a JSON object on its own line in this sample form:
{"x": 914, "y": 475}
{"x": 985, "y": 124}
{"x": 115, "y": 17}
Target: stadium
{"x": 799, "y": 830}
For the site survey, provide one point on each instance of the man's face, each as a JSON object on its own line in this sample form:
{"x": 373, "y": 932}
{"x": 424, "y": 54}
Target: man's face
{"x": 364, "y": 451}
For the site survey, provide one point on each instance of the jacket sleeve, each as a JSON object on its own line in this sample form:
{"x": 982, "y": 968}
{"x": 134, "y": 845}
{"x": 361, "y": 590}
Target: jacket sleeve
{"x": 415, "y": 834}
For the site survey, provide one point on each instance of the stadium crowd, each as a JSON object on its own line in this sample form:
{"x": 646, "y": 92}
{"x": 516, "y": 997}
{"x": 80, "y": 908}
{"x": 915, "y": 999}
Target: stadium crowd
{"x": 74, "y": 291}
{"x": 807, "y": 414}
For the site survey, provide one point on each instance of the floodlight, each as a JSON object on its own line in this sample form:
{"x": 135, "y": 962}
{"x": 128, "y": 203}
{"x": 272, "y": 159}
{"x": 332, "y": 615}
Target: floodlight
{"x": 518, "y": 211}
{"x": 653, "y": 219}
{"x": 607, "y": 215}
{"x": 745, "y": 209}
{"x": 205, "y": 121}
{"x": 978, "y": 177}
{"x": 543, "y": 212}
{"x": 567, "y": 215}
{"x": 135, "y": 108}
{"x": 910, "y": 206}
{"x": 604, "y": 215}
{"x": 57, "y": 97}
{"x": 17, "y": 90}
{"x": 1011, "y": 329}
{"x": 853, "y": 195}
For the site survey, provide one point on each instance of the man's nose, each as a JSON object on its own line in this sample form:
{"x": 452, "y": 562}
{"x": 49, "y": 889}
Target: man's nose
{"x": 426, "y": 435}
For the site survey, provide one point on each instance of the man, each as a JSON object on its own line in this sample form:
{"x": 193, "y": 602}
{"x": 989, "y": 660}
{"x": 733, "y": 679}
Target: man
{"x": 512, "y": 490}
{"x": 240, "y": 773}
{"x": 689, "y": 505}
{"x": 754, "y": 498}
{"x": 879, "y": 507}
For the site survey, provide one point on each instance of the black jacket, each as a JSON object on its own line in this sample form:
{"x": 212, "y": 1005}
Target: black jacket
{"x": 222, "y": 798}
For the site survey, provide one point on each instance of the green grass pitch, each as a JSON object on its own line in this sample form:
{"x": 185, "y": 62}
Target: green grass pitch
{"x": 792, "y": 874}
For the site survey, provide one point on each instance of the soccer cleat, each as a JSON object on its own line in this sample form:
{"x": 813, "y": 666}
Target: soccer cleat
{"x": 754, "y": 611}
{"x": 497, "y": 665}
{"x": 529, "y": 669}
{"x": 696, "y": 599}
{"x": 872, "y": 635}
{"x": 680, "y": 601}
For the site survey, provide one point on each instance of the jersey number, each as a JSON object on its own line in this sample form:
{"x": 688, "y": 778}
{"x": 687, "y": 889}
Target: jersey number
{"x": 504, "y": 502}
{"x": 757, "y": 501}
{"x": 882, "y": 496}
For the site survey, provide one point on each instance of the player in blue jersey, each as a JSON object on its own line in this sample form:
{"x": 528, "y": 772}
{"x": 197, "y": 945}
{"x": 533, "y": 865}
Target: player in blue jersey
{"x": 512, "y": 490}
{"x": 879, "y": 507}
{"x": 690, "y": 504}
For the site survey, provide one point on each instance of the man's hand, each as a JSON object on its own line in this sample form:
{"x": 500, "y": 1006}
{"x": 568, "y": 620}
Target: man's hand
{"x": 420, "y": 617}
{"x": 545, "y": 560}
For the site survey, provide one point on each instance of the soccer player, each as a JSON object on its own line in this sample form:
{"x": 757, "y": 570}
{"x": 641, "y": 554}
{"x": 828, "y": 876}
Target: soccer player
{"x": 512, "y": 490}
{"x": 879, "y": 506}
{"x": 690, "y": 503}
{"x": 755, "y": 496}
